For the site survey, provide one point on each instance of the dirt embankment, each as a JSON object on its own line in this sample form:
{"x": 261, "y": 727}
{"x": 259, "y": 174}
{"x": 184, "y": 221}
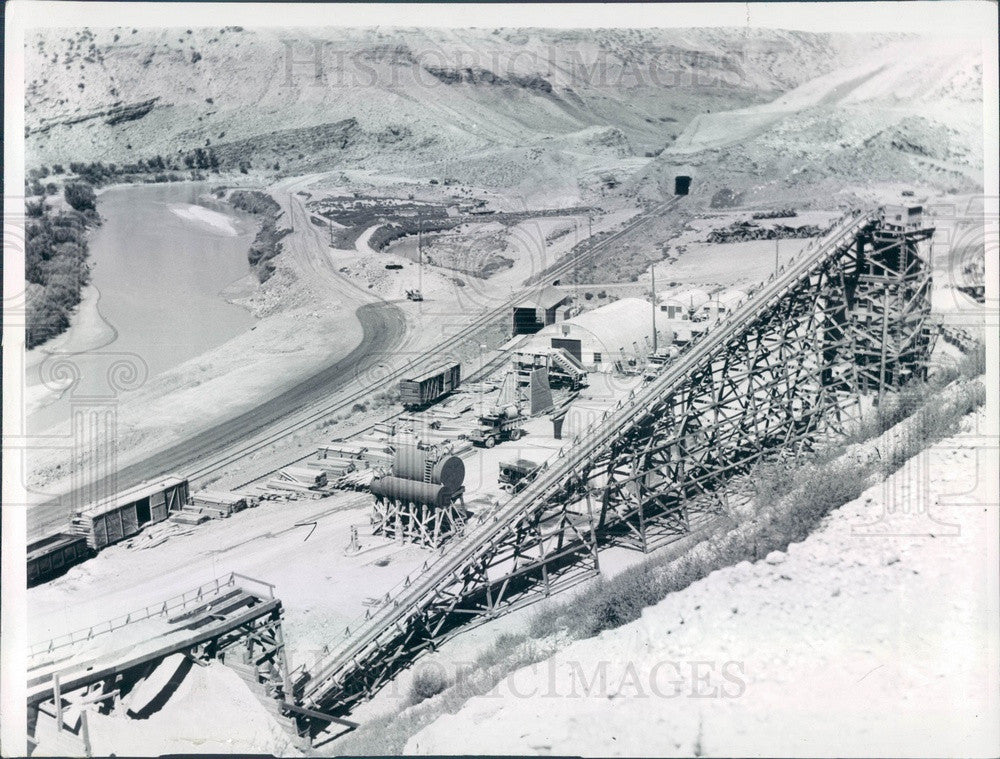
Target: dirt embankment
{"x": 866, "y": 637}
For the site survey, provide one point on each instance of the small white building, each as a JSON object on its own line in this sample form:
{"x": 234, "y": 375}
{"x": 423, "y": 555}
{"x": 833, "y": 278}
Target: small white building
{"x": 678, "y": 308}
{"x": 680, "y": 305}
{"x": 622, "y": 330}
{"x": 720, "y": 304}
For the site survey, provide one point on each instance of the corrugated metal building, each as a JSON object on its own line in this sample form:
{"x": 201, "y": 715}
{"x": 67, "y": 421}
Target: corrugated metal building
{"x": 680, "y": 305}
{"x": 722, "y": 303}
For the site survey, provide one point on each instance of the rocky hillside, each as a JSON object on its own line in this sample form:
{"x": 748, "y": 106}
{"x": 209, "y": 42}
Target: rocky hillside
{"x": 909, "y": 114}
{"x": 423, "y": 96}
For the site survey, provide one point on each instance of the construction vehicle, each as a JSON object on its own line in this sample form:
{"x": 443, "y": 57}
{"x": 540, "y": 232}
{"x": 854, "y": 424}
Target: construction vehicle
{"x": 414, "y": 295}
{"x": 516, "y": 475}
{"x": 657, "y": 361}
{"x": 504, "y": 421}
{"x": 496, "y": 427}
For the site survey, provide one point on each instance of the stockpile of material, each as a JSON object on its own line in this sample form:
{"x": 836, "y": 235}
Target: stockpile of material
{"x": 220, "y": 501}
{"x": 351, "y": 465}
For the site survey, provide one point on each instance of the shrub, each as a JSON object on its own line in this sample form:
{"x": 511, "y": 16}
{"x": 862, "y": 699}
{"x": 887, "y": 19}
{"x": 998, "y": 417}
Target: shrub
{"x": 504, "y": 645}
{"x": 427, "y": 681}
{"x": 80, "y": 196}
{"x": 267, "y": 243}
{"x": 55, "y": 262}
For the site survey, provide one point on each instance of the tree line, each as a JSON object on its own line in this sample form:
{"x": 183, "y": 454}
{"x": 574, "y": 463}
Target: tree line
{"x": 55, "y": 261}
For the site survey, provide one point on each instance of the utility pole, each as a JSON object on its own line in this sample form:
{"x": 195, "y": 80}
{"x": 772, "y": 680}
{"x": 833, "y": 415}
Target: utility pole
{"x": 420, "y": 252}
{"x": 652, "y": 270}
{"x": 576, "y": 263}
{"x": 482, "y": 399}
{"x": 776, "y": 256}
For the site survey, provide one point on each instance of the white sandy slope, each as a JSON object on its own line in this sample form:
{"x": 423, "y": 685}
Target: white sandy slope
{"x": 924, "y": 76}
{"x": 872, "y": 637}
{"x": 216, "y": 221}
{"x": 235, "y": 723}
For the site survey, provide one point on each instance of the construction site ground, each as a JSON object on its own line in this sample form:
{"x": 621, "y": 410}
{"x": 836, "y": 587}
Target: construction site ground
{"x": 298, "y": 545}
{"x": 302, "y": 547}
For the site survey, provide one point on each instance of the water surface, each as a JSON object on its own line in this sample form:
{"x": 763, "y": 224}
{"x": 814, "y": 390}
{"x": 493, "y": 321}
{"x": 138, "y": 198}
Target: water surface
{"x": 160, "y": 259}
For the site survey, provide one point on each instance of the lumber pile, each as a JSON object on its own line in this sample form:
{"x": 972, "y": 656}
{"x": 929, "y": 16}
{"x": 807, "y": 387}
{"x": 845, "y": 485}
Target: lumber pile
{"x": 189, "y": 517}
{"x": 217, "y": 500}
{"x": 302, "y": 476}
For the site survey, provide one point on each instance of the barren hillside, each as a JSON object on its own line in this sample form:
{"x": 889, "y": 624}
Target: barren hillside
{"x": 441, "y": 100}
{"x": 910, "y": 112}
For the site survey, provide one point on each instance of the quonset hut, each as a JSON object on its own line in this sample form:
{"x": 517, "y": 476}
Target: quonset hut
{"x": 622, "y": 330}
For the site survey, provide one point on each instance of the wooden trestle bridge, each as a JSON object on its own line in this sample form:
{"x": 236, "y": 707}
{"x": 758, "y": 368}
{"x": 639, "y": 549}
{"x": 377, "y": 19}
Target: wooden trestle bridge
{"x": 848, "y": 316}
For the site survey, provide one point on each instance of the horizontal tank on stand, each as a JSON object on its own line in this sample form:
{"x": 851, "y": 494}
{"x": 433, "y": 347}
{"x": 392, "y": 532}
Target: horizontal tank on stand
{"x": 427, "y": 465}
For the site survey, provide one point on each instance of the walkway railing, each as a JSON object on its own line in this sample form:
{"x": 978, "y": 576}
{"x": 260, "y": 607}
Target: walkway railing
{"x": 180, "y": 602}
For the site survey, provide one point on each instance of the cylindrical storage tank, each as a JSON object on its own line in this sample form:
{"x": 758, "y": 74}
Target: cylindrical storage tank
{"x": 450, "y": 472}
{"x": 411, "y": 462}
{"x": 427, "y": 493}
{"x": 509, "y": 412}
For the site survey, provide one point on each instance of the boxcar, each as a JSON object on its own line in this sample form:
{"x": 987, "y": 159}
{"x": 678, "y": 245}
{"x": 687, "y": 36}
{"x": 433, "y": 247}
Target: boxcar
{"x": 430, "y": 385}
{"x": 105, "y": 523}
{"x": 51, "y": 556}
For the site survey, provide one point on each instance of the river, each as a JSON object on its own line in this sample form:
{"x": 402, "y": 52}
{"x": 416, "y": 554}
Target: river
{"x": 159, "y": 261}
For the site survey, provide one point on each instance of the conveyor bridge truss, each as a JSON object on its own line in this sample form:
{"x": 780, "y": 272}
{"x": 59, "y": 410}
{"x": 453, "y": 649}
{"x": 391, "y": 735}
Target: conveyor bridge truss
{"x": 848, "y": 315}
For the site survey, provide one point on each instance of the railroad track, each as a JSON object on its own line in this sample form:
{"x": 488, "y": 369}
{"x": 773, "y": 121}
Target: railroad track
{"x": 481, "y": 374}
{"x": 481, "y": 322}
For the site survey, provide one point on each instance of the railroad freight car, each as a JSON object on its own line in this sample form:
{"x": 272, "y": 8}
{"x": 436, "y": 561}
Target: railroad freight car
{"x": 51, "y": 556}
{"x": 430, "y": 385}
{"x": 127, "y": 513}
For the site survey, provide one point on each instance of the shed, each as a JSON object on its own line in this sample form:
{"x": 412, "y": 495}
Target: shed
{"x": 539, "y": 309}
{"x": 904, "y": 216}
{"x": 599, "y": 338}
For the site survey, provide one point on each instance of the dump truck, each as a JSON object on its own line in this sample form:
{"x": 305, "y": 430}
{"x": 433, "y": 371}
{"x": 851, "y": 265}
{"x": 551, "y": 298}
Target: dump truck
{"x": 504, "y": 420}
{"x": 499, "y": 425}
{"x": 658, "y": 361}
